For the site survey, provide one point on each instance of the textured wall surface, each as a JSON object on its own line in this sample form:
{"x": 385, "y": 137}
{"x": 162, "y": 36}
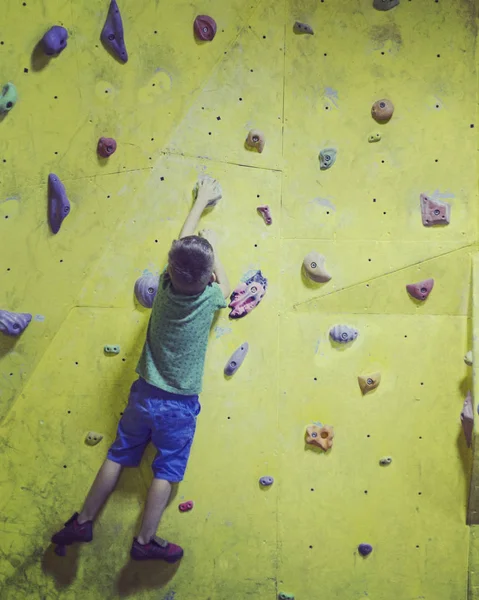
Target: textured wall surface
{"x": 179, "y": 109}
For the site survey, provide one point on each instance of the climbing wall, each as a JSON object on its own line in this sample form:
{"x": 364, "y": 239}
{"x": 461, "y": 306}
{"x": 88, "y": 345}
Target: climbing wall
{"x": 179, "y": 109}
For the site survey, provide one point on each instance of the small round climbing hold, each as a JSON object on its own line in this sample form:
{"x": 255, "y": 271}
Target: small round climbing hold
{"x": 55, "y": 40}
{"x": 382, "y": 110}
{"x": 186, "y": 506}
{"x": 327, "y": 158}
{"x": 106, "y": 147}
{"x": 8, "y": 98}
{"x": 365, "y": 549}
{"x": 385, "y": 461}
{"x": 266, "y": 480}
{"x": 256, "y": 140}
{"x": 146, "y": 288}
{"x": 313, "y": 265}
{"x": 204, "y": 28}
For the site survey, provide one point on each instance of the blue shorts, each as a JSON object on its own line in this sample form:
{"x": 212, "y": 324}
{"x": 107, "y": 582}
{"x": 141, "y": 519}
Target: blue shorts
{"x": 168, "y": 420}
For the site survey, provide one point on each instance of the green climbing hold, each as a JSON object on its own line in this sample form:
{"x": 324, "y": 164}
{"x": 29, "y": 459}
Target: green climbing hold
{"x": 8, "y": 98}
{"x": 283, "y": 596}
{"x": 110, "y": 349}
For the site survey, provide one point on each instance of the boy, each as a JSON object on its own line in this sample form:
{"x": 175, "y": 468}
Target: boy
{"x": 163, "y": 403}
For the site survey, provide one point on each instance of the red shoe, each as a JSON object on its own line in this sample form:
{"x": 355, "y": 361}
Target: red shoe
{"x": 72, "y": 532}
{"x": 156, "y": 549}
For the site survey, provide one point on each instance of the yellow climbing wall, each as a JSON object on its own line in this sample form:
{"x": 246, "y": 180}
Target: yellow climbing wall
{"x": 179, "y": 109}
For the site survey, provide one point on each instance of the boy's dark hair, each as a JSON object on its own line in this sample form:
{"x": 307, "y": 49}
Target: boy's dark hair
{"x": 190, "y": 262}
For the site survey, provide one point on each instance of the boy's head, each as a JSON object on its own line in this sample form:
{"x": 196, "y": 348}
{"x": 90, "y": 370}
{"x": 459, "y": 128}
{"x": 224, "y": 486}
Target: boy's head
{"x": 190, "y": 264}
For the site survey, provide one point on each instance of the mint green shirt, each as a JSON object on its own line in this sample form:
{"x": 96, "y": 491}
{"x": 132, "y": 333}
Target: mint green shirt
{"x": 173, "y": 356}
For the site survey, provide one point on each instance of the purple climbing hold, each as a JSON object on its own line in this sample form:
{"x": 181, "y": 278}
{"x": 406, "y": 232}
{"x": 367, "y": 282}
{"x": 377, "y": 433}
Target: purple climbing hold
{"x": 13, "y": 323}
{"x": 55, "y": 40}
{"x": 365, "y": 549}
{"x": 236, "y": 360}
{"x": 145, "y": 289}
{"x": 112, "y": 33}
{"x": 58, "y": 204}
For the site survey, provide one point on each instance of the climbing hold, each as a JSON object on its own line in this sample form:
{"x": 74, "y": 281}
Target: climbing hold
{"x": 58, "y": 203}
{"x": 420, "y": 290}
{"x": 8, "y": 98}
{"x": 247, "y": 295}
{"x": 365, "y": 549}
{"x": 374, "y": 137}
{"x": 256, "y": 140}
{"x": 112, "y": 32}
{"x": 467, "y": 418}
{"x": 217, "y": 191}
{"x": 12, "y": 323}
{"x": 93, "y": 438}
{"x": 110, "y": 349}
{"x": 434, "y": 212}
{"x": 266, "y": 480}
{"x": 468, "y": 359}
{"x": 382, "y": 110}
{"x": 146, "y": 287}
{"x": 313, "y": 265}
{"x": 385, "y": 4}
{"x": 343, "y": 334}
{"x": 265, "y": 212}
{"x": 284, "y": 596}
{"x": 106, "y": 147}
{"x": 320, "y": 435}
{"x": 369, "y": 382}
{"x": 327, "y": 158}
{"x": 204, "y": 28}
{"x": 386, "y": 460}
{"x": 236, "y": 359}
{"x": 186, "y": 506}
{"x": 55, "y": 40}
{"x": 302, "y": 28}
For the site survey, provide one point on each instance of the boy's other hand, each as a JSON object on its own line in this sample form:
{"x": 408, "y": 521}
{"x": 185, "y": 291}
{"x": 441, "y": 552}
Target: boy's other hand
{"x": 210, "y": 235}
{"x": 208, "y": 191}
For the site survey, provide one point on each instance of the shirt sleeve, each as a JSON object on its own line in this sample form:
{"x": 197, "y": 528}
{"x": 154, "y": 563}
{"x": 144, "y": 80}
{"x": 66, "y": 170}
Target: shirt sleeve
{"x": 219, "y": 300}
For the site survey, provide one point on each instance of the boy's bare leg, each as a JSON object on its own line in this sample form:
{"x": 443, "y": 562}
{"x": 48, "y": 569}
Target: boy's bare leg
{"x": 102, "y": 487}
{"x": 156, "y": 502}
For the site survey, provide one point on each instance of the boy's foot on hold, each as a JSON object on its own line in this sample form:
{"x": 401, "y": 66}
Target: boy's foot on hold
{"x": 71, "y": 533}
{"x": 157, "y": 548}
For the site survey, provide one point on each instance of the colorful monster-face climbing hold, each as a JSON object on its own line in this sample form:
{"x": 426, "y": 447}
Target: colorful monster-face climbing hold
{"x": 385, "y": 461}
{"x": 343, "y": 334}
{"x": 186, "y": 506}
{"x": 302, "y": 28}
{"x": 8, "y": 98}
{"x": 58, "y": 203}
{"x": 467, "y": 418}
{"x": 247, "y": 295}
{"x": 374, "y": 137}
{"x": 420, "y": 290}
{"x": 434, "y": 212}
{"x": 382, "y": 110}
{"x": 217, "y": 191}
{"x": 112, "y": 33}
{"x": 385, "y": 4}
{"x": 106, "y": 147}
{"x": 365, "y": 549}
{"x": 146, "y": 288}
{"x": 236, "y": 359}
{"x": 327, "y": 158}
{"x": 266, "y": 481}
{"x": 204, "y": 28}
{"x": 313, "y": 265}
{"x": 55, "y": 40}
{"x": 320, "y": 435}
{"x": 265, "y": 212}
{"x": 92, "y": 438}
{"x": 111, "y": 349}
{"x": 368, "y": 383}
{"x": 12, "y": 323}
{"x": 256, "y": 140}
{"x": 285, "y": 596}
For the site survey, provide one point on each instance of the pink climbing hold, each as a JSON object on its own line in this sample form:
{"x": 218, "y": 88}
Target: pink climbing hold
{"x": 420, "y": 290}
{"x": 205, "y": 28}
{"x": 247, "y": 295}
{"x": 12, "y": 323}
{"x": 106, "y": 147}
{"x": 186, "y": 506}
{"x": 265, "y": 212}
{"x": 467, "y": 418}
{"x": 434, "y": 212}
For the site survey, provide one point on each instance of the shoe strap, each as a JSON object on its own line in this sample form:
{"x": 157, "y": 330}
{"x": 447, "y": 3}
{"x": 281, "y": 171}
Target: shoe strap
{"x": 160, "y": 541}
